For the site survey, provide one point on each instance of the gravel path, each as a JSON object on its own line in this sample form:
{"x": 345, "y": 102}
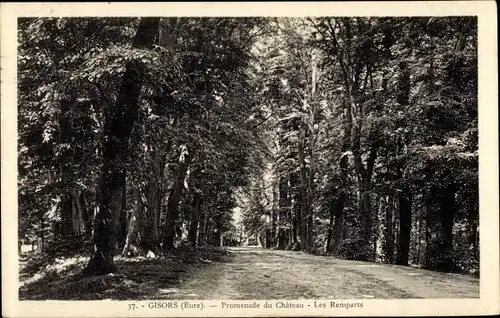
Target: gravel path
{"x": 256, "y": 273}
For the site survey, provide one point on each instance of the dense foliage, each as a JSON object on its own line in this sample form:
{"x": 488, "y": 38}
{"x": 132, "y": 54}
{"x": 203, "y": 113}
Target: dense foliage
{"x": 355, "y": 137}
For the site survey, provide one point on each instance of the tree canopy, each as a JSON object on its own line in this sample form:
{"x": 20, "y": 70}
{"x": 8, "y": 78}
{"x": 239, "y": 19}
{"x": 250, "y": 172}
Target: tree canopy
{"x": 350, "y": 136}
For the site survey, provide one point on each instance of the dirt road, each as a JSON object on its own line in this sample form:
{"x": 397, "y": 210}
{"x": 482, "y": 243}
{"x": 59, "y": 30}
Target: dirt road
{"x": 256, "y": 273}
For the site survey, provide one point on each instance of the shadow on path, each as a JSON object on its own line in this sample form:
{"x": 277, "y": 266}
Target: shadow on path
{"x": 137, "y": 278}
{"x": 247, "y": 273}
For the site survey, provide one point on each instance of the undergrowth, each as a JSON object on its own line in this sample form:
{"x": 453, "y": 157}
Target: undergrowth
{"x": 57, "y": 276}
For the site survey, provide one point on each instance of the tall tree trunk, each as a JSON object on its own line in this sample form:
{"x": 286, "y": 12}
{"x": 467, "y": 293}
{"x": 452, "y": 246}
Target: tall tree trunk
{"x": 376, "y": 228}
{"x": 135, "y": 223}
{"x": 67, "y": 214}
{"x": 162, "y": 145}
{"x": 195, "y": 212}
{"x": 344, "y": 174}
{"x": 118, "y": 127}
{"x": 338, "y": 226}
{"x": 331, "y": 218}
{"x": 122, "y": 222}
{"x": 283, "y": 205}
{"x": 90, "y": 212}
{"x": 310, "y": 229}
{"x": 439, "y": 229}
{"x": 217, "y": 233}
{"x": 78, "y": 225}
{"x": 364, "y": 184}
{"x": 473, "y": 221}
{"x": 67, "y": 199}
{"x": 274, "y": 216}
{"x": 268, "y": 238}
{"x": 396, "y": 225}
{"x": 303, "y": 214}
{"x": 202, "y": 240}
{"x": 474, "y": 239}
{"x": 404, "y": 198}
{"x": 75, "y": 216}
{"x": 174, "y": 198}
{"x": 419, "y": 239}
{"x": 202, "y": 237}
{"x": 365, "y": 213}
{"x": 150, "y": 236}
{"x": 389, "y": 230}
{"x": 295, "y": 231}
{"x": 86, "y": 219}
{"x": 312, "y": 159}
{"x": 447, "y": 214}
{"x": 429, "y": 228}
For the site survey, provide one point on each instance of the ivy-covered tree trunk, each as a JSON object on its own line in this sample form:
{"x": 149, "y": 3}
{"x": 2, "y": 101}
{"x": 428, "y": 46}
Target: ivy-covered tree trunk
{"x": 474, "y": 233}
{"x": 429, "y": 222}
{"x": 331, "y": 220}
{"x": 118, "y": 128}
{"x": 419, "y": 235}
{"x": 365, "y": 213}
{"x": 389, "y": 230}
{"x": 174, "y": 198}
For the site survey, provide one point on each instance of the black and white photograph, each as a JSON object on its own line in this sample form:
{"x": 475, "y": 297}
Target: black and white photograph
{"x": 236, "y": 158}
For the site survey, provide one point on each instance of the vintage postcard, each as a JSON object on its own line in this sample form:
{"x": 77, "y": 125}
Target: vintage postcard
{"x": 249, "y": 159}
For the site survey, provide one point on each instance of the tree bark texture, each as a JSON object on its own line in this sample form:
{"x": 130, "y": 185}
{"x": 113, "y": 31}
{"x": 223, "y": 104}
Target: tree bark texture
{"x": 118, "y": 127}
{"x": 283, "y": 206}
{"x": 304, "y": 204}
{"x": 135, "y": 222}
{"x": 174, "y": 198}
{"x": 389, "y": 230}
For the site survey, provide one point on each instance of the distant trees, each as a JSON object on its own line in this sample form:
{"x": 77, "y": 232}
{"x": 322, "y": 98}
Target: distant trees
{"x": 381, "y": 133}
